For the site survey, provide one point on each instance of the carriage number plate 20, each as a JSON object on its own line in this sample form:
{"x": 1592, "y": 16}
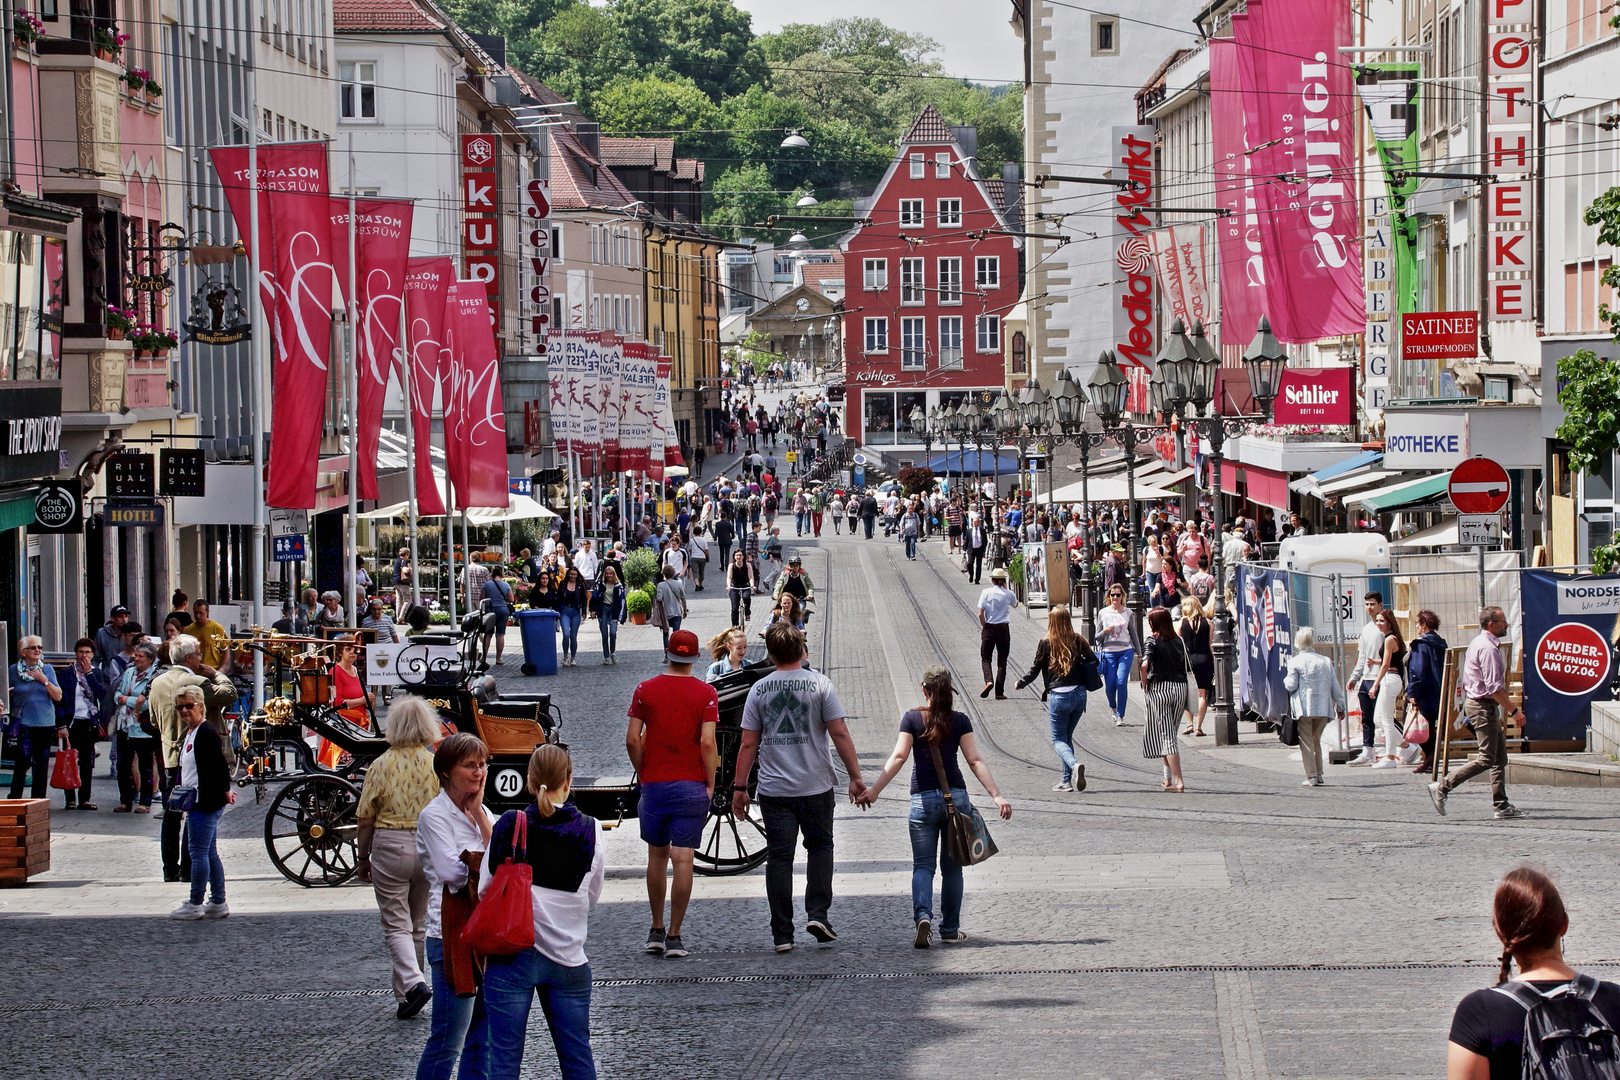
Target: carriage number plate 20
{"x": 508, "y": 783}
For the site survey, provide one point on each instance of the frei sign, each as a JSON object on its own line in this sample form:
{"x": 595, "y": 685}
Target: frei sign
{"x": 1324, "y": 396}
{"x": 1440, "y": 335}
{"x": 1425, "y": 441}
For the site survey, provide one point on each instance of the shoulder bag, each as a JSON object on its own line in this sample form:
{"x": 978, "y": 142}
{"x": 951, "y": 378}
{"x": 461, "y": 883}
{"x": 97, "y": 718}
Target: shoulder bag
{"x": 1091, "y": 671}
{"x": 181, "y": 799}
{"x": 1417, "y": 728}
{"x": 969, "y": 838}
{"x": 503, "y": 922}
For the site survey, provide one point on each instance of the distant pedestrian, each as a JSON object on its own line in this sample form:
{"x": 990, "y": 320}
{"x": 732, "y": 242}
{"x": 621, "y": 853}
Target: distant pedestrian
{"x": 1425, "y": 670}
{"x": 205, "y": 774}
{"x": 34, "y": 694}
{"x": 1389, "y": 681}
{"x": 1065, "y": 665}
{"x": 671, "y": 743}
{"x": 729, "y": 651}
{"x": 1195, "y": 635}
{"x": 1315, "y": 699}
{"x": 852, "y": 507}
{"x": 937, "y": 731}
{"x": 1485, "y": 703}
{"x": 607, "y": 604}
{"x": 499, "y": 595}
{"x": 741, "y": 585}
{"x": 995, "y": 632}
{"x": 835, "y": 509}
{"x": 84, "y": 699}
{"x": 791, "y": 721}
{"x": 669, "y": 604}
{"x": 911, "y": 530}
{"x": 869, "y": 513}
{"x": 1369, "y": 657}
{"x": 1164, "y": 684}
{"x": 977, "y": 541}
{"x": 1118, "y": 643}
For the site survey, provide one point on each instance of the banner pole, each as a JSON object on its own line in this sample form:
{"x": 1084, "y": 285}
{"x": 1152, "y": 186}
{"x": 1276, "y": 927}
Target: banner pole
{"x": 257, "y": 341}
{"x": 406, "y": 359}
{"x": 351, "y": 390}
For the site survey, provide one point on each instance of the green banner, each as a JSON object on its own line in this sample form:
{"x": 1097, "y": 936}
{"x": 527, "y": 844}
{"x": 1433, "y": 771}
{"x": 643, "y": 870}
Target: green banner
{"x": 1390, "y": 94}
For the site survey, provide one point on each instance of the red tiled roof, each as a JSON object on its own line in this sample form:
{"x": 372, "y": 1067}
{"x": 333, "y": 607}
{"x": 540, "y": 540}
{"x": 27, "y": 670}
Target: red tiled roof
{"x": 572, "y": 186}
{"x": 817, "y": 274}
{"x": 929, "y": 127}
{"x": 688, "y": 169}
{"x": 997, "y": 189}
{"x": 656, "y": 154}
{"x": 396, "y": 16}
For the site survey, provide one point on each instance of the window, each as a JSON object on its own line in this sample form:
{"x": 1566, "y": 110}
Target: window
{"x": 950, "y": 280}
{"x": 950, "y": 341}
{"x": 357, "y": 91}
{"x": 917, "y": 166}
{"x": 1020, "y": 354}
{"x": 911, "y": 212}
{"x": 877, "y": 335}
{"x": 987, "y": 271}
{"x": 913, "y": 344}
{"x": 1104, "y": 35}
{"x": 875, "y": 274}
{"x": 989, "y": 333}
{"x": 942, "y": 166}
{"x": 1496, "y": 388}
{"x": 950, "y": 213}
{"x": 911, "y": 281}
{"x": 1585, "y": 19}
{"x": 556, "y": 245}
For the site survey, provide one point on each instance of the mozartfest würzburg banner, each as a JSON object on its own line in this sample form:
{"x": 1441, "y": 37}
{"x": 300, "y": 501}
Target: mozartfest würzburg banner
{"x": 610, "y": 403}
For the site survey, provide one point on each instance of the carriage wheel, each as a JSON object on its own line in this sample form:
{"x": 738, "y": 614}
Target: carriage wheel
{"x": 731, "y": 844}
{"x": 311, "y": 833}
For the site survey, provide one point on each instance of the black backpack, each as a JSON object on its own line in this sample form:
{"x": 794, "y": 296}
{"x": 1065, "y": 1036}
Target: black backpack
{"x": 1565, "y": 1037}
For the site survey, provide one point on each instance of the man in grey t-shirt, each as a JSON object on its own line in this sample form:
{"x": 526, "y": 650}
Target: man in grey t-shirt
{"x": 789, "y": 720}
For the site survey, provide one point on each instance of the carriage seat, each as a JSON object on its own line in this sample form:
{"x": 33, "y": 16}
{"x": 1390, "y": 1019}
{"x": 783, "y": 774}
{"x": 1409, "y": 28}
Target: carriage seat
{"x": 518, "y": 734}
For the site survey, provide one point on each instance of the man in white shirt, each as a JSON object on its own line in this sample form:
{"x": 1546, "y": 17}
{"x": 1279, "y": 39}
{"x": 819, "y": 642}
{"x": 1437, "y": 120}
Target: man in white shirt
{"x": 586, "y": 561}
{"x": 1369, "y": 658}
{"x": 550, "y": 545}
{"x": 995, "y": 635}
{"x": 1234, "y": 549}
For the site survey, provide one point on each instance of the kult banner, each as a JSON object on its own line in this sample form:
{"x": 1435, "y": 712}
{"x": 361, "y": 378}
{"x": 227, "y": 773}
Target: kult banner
{"x": 1264, "y": 642}
{"x": 1568, "y": 622}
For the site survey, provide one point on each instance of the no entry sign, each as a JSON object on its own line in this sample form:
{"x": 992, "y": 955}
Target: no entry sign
{"x": 1478, "y": 486}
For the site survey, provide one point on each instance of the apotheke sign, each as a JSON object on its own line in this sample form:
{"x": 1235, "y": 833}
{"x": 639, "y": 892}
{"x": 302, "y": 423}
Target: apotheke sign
{"x": 1425, "y": 441}
{"x": 1317, "y": 396}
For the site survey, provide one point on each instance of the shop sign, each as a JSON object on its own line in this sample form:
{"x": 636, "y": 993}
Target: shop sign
{"x": 872, "y": 375}
{"x": 130, "y": 476}
{"x": 1440, "y": 335}
{"x": 1317, "y": 396}
{"x": 1134, "y": 342}
{"x": 58, "y": 508}
{"x": 137, "y": 515}
{"x": 1510, "y": 134}
{"x": 217, "y": 315}
{"x": 480, "y": 205}
{"x": 1425, "y": 440}
{"x": 182, "y": 473}
{"x": 31, "y": 430}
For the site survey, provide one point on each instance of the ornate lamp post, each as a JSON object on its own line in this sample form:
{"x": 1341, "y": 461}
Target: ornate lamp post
{"x": 1110, "y": 396}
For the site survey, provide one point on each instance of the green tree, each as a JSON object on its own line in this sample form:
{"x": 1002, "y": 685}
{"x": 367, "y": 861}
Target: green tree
{"x": 829, "y": 87}
{"x": 741, "y": 196}
{"x": 658, "y": 107}
{"x": 1589, "y": 391}
{"x": 577, "y": 52}
{"x": 707, "y": 41}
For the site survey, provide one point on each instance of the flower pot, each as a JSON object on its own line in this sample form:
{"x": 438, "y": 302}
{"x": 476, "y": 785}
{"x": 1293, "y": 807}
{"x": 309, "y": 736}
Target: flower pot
{"x": 639, "y": 618}
{"x": 154, "y": 99}
{"x": 115, "y": 333}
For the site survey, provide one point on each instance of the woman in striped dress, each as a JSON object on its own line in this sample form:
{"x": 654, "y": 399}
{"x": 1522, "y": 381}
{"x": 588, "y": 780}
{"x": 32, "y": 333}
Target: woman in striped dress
{"x": 1164, "y": 684}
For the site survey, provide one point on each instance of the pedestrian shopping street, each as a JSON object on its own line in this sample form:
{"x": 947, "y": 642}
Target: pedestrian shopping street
{"x": 1248, "y": 928}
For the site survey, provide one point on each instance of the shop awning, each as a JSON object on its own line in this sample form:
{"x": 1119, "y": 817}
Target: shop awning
{"x": 977, "y": 462}
{"x": 1403, "y": 494}
{"x": 1265, "y": 487}
{"x": 1316, "y": 482}
{"x": 16, "y": 513}
{"x": 1439, "y": 535}
{"x": 1345, "y": 486}
{"x": 1111, "y": 489}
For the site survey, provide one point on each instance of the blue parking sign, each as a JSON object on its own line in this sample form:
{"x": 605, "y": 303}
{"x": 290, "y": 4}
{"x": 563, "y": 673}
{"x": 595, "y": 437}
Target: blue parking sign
{"x": 287, "y": 548}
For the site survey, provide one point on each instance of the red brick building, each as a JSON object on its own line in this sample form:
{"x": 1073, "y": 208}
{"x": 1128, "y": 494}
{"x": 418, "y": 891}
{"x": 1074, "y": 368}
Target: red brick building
{"x": 927, "y": 285}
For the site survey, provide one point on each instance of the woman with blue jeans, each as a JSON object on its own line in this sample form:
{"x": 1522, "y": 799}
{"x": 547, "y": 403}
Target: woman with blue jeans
{"x": 572, "y": 596}
{"x": 936, "y": 728}
{"x": 607, "y": 604}
{"x": 1118, "y": 642}
{"x": 204, "y": 772}
{"x": 1064, "y": 661}
{"x": 564, "y": 849}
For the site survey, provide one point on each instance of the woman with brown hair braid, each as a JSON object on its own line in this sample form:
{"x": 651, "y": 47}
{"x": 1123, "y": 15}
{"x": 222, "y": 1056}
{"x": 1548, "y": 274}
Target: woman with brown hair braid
{"x": 1487, "y": 1030}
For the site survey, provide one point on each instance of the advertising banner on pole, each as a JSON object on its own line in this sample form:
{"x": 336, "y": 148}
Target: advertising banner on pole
{"x": 1567, "y": 626}
{"x": 382, "y": 246}
{"x": 590, "y": 388}
{"x": 1265, "y": 640}
{"x": 1390, "y": 93}
{"x": 1178, "y": 254}
{"x": 1237, "y": 237}
{"x": 427, "y": 289}
{"x": 608, "y": 380}
{"x": 638, "y": 389}
{"x": 658, "y": 443}
{"x": 557, "y": 385}
{"x": 476, "y": 364}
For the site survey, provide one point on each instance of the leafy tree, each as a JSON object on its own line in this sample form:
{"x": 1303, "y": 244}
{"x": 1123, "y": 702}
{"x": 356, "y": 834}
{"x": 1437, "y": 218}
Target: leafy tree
{"x": 707, "y": 41}
{"x": 917, "y": 480}
{"x": 829, "y": 87}
{"x": 739, "y": 197}
{"x": 659, "y": 106}
{"x": 577, "y": 52}
{"x": 1589, "y": 391}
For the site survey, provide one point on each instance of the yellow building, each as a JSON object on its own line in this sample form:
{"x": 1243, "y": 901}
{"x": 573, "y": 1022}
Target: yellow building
{"x": 683, "y": 319}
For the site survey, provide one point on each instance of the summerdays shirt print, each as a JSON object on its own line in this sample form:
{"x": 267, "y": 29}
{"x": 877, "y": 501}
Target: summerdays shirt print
{"x": 790, "y": 710}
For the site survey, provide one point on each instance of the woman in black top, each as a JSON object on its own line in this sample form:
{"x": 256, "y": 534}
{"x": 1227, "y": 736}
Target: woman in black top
{"x": 204, "y": 771}
{"x": 1200, "y": 654}
{"x": 1487, "y": 1030}
{"x": 1065, "y": 663}
{"x": 936, "y": 727}
{"x": 1164, "y": 684}
{"x": 740, "y": 587}
{"x": 572, "y": 596}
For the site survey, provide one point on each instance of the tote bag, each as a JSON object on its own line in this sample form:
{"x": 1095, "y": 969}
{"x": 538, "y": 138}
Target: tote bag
{"x": 503, "y": 922}
{"x": 65, "y": 773}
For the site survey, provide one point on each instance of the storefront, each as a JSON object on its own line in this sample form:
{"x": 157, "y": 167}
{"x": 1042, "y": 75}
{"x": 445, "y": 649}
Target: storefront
{"x": 886, "y": 413}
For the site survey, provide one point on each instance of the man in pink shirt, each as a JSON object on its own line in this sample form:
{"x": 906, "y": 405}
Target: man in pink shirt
{"x": 1484, "y": 687}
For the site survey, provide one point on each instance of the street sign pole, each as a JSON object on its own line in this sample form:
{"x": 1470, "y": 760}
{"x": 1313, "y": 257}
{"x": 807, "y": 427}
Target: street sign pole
{"x": 1479, "y": 489}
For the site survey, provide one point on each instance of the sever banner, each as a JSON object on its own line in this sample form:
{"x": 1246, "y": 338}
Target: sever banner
{"x": 1568, "y": 623}
{"x": 1265, "y": 640}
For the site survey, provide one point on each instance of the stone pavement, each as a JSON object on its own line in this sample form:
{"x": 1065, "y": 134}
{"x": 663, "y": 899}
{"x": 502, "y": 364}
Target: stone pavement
{"x": 1250, "y": 928}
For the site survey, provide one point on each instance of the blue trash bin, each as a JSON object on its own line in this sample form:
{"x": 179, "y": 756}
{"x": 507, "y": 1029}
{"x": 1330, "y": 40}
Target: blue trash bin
{"x": 538, "y": 629}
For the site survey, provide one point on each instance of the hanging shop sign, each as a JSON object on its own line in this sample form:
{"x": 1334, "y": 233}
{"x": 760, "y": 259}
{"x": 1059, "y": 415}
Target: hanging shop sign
{"x": 137, "y": 515}
{"x": 1134, "y": 341}
{"x": 150, "y": 283}
{"x": 1510, "y": 133}
{"x": 130, "y": 476}
{"x": 58, "y": 508}
{"x": 30, "y": 431}
{"x": 182, "y": 473}
{"x": 1322, "y": 396}
{"x": 217, "y": 315}
{"x": 1440, "y": 335}
{"x": 537, "y": 213}
{"x": 480, "y": 207}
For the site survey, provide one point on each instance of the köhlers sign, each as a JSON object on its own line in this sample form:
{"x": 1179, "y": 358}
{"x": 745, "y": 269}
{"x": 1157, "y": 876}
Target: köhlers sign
{"x": 1321, "y": 396}
{"x": 1440, "y": 335}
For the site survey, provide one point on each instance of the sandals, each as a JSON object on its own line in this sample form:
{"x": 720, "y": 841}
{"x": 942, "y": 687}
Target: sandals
{"x": 1189, "y": 731}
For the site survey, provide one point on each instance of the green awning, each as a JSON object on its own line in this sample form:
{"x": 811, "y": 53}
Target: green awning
{"x": 15, "y": 513}
{"x": 1402, "y": 494}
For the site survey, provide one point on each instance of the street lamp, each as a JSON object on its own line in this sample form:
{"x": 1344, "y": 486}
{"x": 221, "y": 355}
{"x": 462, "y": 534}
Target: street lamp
{"x": 795, "y": 141}
{"x": 1110, "y": 396}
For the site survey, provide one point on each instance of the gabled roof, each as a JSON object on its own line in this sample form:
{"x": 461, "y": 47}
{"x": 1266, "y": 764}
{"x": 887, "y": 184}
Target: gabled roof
{"x": 390, "y": 16}
{"x": 573, "y": 186}
{"x": 786, "y": 306}
{"x": 656, "y": 154}
{"x": 816, "y": 275}
{"x": 545, "y": 95}
{"x": 929, "y": 127}
{"x": 688, "y": 169}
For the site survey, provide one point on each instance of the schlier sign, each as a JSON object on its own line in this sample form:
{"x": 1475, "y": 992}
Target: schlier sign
{"x": 1440, "y": 335}
{"x": 1324, "y": 396}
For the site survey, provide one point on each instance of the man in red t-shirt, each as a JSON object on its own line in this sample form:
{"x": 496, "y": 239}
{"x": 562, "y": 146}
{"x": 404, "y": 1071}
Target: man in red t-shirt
{"x": 671, "y": 744}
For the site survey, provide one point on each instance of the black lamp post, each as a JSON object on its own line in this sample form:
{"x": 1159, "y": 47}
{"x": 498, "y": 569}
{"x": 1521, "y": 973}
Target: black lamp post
{"x": 1070, "y": 406}
{"x": 1110, "y": 397}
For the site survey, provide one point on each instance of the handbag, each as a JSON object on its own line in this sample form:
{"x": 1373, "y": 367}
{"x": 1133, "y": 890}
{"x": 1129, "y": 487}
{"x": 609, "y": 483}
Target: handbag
{"x": 503, "y": 922}
{"x": 1289, "y": 732}
{"x": 1092, "y": 671}
{"x": 181, "y": 798}
{"x": 1417, "y": 729}
{"x": 65, "y": 773}
{"x": 967, "y": 834}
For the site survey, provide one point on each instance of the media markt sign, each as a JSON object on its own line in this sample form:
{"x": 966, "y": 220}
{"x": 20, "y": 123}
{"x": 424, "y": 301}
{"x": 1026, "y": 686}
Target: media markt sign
{"x": 58, "y": 508}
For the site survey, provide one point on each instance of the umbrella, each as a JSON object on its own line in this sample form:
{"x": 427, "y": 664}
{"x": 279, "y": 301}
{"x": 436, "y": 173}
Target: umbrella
{"x": 982, "y": 462}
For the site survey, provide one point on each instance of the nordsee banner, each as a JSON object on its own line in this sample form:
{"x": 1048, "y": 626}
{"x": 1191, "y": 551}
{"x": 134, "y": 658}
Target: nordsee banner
{"x": 1568, "y": 624}
{"x": 1265, "y": 640}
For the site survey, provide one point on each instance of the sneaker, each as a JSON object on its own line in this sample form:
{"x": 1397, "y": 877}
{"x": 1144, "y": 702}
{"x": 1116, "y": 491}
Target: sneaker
{"x": 820, "y": 931}
{"x": 655, "y": 941}
{"x": 1078, "y": 779}
{"x": 1509, "y": 811}
{"x": 1310, "y": 781}
{"x": 1386, "y": 763}
{"x": 1119, "y": 721}
{"x": 1363, "y": 758}
{"x": 1437, "y": 795}
{"x": 416, "y": 998}
{"x": 673, "y": 947}
{"x": 220, "y": 910}
{"x": 784, "y": 946}
{"x": 187, "y": 912}
{"x": 953, "y": 939}
{"x": 143, "y": 809}
{"x": 1062, "y": 785}
{"x": 924, "y": 927}
{"x": 1410, "y": 754}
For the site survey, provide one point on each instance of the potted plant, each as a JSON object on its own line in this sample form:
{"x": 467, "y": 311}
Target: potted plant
{"x": 153, "y": 339}
{"x": 134, "y": 80}
{"x": 639, "y": 605}
{"x": 153, "y": 91}
{"x": 119, "y": 321}
{"x": 26, "y": 28}
{"x": 109, "y": 42}
{"x": 640, "y": 568}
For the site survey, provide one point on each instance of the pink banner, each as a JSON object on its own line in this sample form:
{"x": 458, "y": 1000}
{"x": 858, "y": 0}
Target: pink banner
{"x": 1243, "y": 279}
{"x": 480, "y": 416}
{"x": 1300, "y": 110}
{"x": 1178, "y": 254}
{"x": 382, "y": 245}
{"x": 295, "y": 228}
{"x": 427, "y": 289}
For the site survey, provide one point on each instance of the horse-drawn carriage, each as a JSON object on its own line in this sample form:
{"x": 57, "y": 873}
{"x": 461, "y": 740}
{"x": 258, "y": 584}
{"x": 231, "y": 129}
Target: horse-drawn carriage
{"x": 310, "y": 828}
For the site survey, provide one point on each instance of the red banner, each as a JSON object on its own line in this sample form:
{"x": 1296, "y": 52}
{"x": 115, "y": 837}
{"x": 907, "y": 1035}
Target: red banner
{"x": 1320, "y": 396}
{"x": 479, "y": 416}
{"x": 1243, "y": 281}
{"x": 427, "y": 289}
{"x": 1440, "y": 335}
{"x": 295, "y": 228}
{"x": 382, "y": 245}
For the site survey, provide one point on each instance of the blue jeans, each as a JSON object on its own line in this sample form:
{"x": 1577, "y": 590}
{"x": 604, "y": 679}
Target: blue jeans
{"x": 206, "y": 869}
{"x": 510, "y": 983}
{"x": 799, "y": 519}
{"x": 460, "y": 1028}
{"x": 1064, "y": 711}
{"x": 570, "y": 618}
{"x": 610, "y": 635}
{"x": 929, "y": 841}
{"x": 911, "y": 547}
{"x": 674, "y": 625}
{"x": 1116, "y": 673}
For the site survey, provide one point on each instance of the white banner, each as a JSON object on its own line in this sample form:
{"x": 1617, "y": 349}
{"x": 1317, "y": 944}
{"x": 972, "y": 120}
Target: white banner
{"x": 607, "y": 375}
{"x": 556, "y": 377}
{"x": 590, "y": 399}
{"x": 1178, "y": 254}
{"x": 638, "y": 381}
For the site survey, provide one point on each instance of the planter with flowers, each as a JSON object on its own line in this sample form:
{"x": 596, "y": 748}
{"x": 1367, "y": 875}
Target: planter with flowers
{"x": 134, "y": 80}
{"x": 109, "y": 42}
{"x": 154, "y": 92}
{"x": 153, "y": 339}
{"x": 119, "y": 322}
{"x": 26, "y": 28}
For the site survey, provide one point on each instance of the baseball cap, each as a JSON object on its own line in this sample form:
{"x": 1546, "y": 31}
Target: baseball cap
{"x": 119, "y": 609}
{"x": 683, "y": 648}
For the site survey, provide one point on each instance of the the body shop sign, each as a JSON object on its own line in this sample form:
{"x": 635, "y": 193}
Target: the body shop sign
{"x": 1133, "y": 252}
{"x": 1440, "y": 335}
{"x": 1323, "y": 396}
{"x": 30, "y": 431}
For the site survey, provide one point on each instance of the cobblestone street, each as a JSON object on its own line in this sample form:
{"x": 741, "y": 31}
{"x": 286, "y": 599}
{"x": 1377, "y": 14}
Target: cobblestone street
{"x": 1249, "y": 928}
